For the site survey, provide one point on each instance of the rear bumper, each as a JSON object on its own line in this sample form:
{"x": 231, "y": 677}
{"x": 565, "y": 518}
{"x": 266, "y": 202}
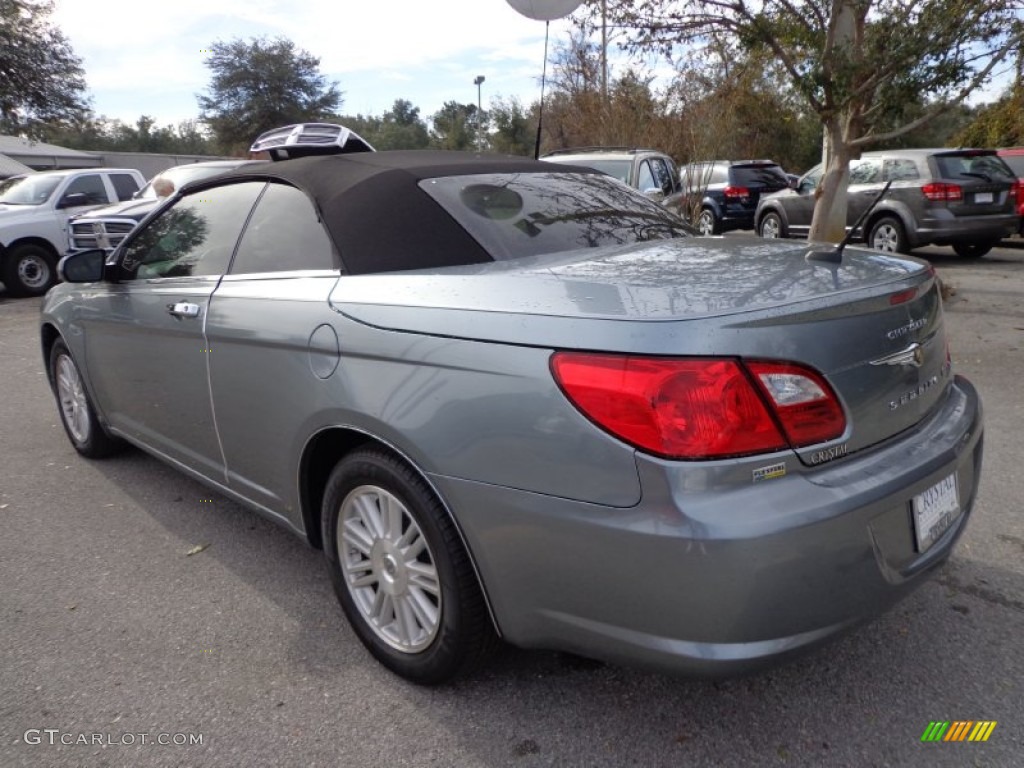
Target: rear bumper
{"x": 951, "y": 229}
{"x": 701, "y": 579}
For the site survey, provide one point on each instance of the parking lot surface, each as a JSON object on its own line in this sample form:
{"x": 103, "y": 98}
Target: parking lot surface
{"x": 147, "y": 621}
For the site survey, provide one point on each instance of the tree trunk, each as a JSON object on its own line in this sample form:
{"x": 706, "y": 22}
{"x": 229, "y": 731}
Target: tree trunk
{"x": 828, "y": 225}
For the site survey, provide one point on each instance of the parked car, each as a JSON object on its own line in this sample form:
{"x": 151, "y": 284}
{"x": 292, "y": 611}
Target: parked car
{"x": 34, "y": 214}
{"x": 728, "y": 191}
{"x": 653, "y": 173}
{"x": 514, "y": 399}
{"x": 1014, "y": 157}
{"x": 106, "y": 227}
{"x": 966, "y": 198}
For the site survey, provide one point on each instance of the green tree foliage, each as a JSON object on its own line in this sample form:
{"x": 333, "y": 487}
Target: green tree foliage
{"x": 94, "y": 134}
{"x": 401, "y": 127}
{"x": 263, "y": 84}
{"x": 455, "y": 127}
{"x": 853, "y": 62}
{"x": 997, "y": 125}
{"x": 513, "y": 128}
{"x": 41, "y": 79}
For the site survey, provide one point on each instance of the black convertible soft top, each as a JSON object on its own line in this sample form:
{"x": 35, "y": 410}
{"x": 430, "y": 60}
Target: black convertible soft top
{"x": 374, "y": 210}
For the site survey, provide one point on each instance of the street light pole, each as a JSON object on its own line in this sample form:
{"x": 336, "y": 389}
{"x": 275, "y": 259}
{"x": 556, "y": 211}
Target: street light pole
{"x": 478, "y": 81}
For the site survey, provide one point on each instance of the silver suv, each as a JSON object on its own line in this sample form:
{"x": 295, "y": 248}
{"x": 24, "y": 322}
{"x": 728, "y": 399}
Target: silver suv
{"x": 966, "y": 198}
{"x": 653, "y": 173}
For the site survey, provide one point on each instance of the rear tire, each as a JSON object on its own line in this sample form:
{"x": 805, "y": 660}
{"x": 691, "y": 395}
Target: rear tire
{"x": 887, "y": 234}
{"x": 770, "y": 226}
{"x": 77, "y": 414}
{"x": 973, "y": 250}
{"x": 400, "y": 571}
{"x": 707, "y": 223}
{"x": 29, "y": 270}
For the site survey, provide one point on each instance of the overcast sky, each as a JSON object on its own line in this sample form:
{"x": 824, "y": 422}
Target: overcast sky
{"x": 147, "y": 57}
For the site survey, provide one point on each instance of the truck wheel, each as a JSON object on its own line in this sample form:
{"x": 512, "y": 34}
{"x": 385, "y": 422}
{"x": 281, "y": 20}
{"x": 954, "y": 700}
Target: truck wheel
{"x": 29, "y": 270}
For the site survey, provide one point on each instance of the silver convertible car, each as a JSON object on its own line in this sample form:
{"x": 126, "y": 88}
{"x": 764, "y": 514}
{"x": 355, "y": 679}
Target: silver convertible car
{"x": 516, "y": 401}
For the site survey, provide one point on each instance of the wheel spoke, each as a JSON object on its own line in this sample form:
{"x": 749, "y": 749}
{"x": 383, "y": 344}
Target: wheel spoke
{"x": 405, "y": 621}
{"x": 424, "y": 608}
{"x": 355, "y": 535}
{"x": 394, "y": 512}
{"x": 424, "y": 576}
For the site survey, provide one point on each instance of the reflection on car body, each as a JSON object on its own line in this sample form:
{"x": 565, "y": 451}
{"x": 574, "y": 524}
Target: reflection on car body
{"x": 515, "y": 401}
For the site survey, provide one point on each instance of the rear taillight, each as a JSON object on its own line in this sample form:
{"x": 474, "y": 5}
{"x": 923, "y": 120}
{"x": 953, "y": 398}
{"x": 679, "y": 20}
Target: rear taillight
{"x": 736, "y": 192}
{"x": 803, "y": 401}
{"x": 1015, "y": 194}
{"x": 943, "y": 192}
{"x": 698, "y": 408}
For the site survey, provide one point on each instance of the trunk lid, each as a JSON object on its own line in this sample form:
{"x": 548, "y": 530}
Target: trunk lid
{"x": 872, "y": 325}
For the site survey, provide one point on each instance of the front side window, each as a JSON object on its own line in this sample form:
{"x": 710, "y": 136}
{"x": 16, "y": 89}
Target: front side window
{"x": 646, "y": 180}
{"x": 194, "y": 237}
{"x": 810, "y": 181}
{"x": 284, "y": 233}
{"x": 88, "y": 190}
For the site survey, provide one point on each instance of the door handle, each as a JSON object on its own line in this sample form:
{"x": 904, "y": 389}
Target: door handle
{"x": 183, "y": 309}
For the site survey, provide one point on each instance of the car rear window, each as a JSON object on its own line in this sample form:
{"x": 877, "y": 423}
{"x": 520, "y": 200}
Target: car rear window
{"x": 759, "y": 175}
{"x": 528, "y": 214}
{"x": 973, "y": 165}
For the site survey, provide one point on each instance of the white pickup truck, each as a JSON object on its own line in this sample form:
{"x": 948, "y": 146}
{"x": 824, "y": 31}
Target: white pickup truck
{"x": 34, "y": 214}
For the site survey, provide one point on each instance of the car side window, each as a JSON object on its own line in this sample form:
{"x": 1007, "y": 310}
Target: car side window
{"x": 284, "y": 233}
{"x": 91, "y": 187}
{"x": 865, "y": 171}
{"x": 662, "y": 177}
{"x": 124, "y": 185}
{"x": 646, "y": 179}
{"x": 196, "y": 236}
{"x": 810, "y": 181}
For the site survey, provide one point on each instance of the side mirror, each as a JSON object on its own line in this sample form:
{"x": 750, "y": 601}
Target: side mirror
{"x": 655, "y": 193}
{"x": 73, "y": 200}
{"x": 83, "y": 266}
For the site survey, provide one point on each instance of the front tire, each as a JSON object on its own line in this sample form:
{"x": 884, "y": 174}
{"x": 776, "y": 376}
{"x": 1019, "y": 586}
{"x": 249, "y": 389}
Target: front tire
{"x": 887, "y": 234}
{"x": 77, "y": 414}
{"x": 29, "y": 270}
{"x": 770, "y": 226}
{"x": 400, "y": 571}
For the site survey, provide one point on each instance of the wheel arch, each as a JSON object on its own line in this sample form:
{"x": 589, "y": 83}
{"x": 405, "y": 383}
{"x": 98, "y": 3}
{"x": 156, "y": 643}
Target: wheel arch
{"x": 319, "y": 457}
{"x": 48, "y": 336}
{"x": 42, "y": 242}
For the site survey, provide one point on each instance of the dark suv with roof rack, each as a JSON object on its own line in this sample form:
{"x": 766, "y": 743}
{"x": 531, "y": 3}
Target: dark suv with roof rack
{"x": 728, "y": 191}
{"x": 648, "y": 170}
{"x": 965, "y": 198}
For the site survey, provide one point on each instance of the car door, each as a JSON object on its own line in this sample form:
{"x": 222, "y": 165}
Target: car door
{"x": 146, "y": 350}
{"x": 865, "y": 184}
{"x": 799, "y": 205}
{"x": 273, "y": 348}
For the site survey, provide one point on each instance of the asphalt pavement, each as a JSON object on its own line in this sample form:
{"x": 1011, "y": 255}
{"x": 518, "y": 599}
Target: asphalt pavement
{"x": 146, "y": 621}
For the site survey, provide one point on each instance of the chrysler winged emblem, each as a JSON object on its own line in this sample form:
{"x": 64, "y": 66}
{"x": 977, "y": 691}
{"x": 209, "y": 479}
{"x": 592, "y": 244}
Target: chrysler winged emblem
{"x": 912, "y": 355}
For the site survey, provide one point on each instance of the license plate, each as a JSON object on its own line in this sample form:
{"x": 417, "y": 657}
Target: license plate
{"x": 983, "y": 197}
{"x": 934, "y": 511}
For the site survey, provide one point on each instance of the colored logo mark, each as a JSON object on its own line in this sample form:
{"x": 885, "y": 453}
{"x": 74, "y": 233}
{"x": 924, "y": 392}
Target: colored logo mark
{"x": 958, "y": 730}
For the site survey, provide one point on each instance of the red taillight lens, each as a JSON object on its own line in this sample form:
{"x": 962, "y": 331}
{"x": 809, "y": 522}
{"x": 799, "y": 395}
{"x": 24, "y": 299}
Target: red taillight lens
{"x": 697, "y": 408}
{"x": 737, "y": 192}
{"x": 803, "y": 401}
{"x": 943, "y": 192}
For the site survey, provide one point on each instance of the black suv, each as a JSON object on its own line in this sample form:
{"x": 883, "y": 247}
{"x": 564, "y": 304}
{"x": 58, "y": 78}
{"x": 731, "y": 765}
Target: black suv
{"x": 728, "y": 191}
{"x": 966, "y": 198}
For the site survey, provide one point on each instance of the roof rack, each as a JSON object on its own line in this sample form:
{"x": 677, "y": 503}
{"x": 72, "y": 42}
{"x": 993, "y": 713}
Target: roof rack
{"x": 305, "y": 139}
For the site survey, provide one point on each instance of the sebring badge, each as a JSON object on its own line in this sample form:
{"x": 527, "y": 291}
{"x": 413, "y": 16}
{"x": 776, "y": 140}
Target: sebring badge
{"x": 912, "y": 355}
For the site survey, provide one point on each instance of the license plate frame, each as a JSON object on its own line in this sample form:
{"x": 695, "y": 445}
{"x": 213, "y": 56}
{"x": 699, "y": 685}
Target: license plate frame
{"x": 935, "y": 510}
